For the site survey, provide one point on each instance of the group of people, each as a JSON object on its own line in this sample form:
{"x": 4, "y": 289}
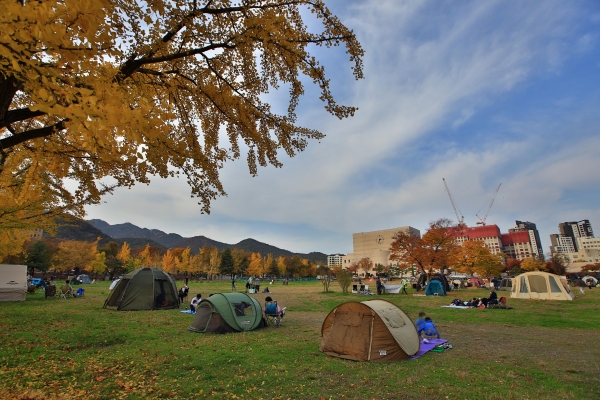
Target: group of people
{"x": 481, "y": 302}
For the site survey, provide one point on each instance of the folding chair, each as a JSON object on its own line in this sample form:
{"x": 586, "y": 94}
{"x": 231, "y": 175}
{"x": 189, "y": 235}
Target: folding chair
{"x": 66, "y": 291}
{"x": 271, "y": 314}
{"x": 50, "y": 291}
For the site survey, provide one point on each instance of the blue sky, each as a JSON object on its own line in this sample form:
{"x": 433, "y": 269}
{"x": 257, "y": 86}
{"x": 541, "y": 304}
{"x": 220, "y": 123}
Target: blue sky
{"x": 476, "y": 92}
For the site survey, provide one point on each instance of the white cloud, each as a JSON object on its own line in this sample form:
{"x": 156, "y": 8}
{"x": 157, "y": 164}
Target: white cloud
{"x": 430, "y": 68}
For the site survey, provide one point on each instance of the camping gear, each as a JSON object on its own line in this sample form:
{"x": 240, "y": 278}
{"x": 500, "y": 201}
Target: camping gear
{"x": 588, "y": 278}
{"x": 540, "y": 285}
{"x": 13, "y": 282}
{"x": 113, "y": 284}
{"x": 393, "y": 289}
{"x": 144, "y": 289}
{"x": 227, "y": 312}
{"x": 372, "y": 330}
{"x": 435, "y": 288}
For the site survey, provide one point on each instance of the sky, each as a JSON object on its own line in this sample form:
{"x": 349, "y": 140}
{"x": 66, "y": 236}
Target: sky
{"x": 480, "y": 93}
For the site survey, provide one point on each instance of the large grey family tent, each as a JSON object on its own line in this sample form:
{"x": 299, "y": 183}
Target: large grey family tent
{"x": 540, "y": 285}
{"x": 227, "y": 312}
{"x": 373, "y": 330}
{"x": 13, "y": 282}
{"x": 144, "y": 289}
{"x": 435, "y": 288}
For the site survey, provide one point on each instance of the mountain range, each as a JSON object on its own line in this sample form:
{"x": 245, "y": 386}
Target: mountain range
{"x": 139, "y": 237}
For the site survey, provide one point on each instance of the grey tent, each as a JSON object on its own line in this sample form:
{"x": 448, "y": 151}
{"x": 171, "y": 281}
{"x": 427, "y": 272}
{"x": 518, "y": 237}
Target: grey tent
{"x": 373, "y": 330}
{"x": 144, "y": 289}
{"x": 227, "y": 312}
{"x": 13, "y": 282}
{"x": 505, "y": 284}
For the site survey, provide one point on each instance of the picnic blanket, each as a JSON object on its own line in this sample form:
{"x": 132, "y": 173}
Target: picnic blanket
{"x": 425, "y": 347}
{"x": 453, "y": 306}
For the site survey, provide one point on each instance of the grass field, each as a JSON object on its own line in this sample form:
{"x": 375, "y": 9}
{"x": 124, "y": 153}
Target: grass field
{"x": 72, "y": 348}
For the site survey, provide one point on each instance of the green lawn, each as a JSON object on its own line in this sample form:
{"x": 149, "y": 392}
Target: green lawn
{"x": 57, "y": 348}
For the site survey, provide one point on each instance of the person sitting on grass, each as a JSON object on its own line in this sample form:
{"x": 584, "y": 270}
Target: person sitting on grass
{"x": 493, "y": 299}
{"x": 195, "y": 302}
{"x": 428, "y": 330}
{"x": 420, "y": 320}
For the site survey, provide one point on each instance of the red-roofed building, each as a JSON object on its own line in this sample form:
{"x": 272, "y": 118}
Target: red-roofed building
{"x": 515, "y": 245}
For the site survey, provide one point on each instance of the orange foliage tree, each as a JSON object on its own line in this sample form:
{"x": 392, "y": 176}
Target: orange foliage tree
{"x": 108, "y": 93}
{"x": 433, "y": 250}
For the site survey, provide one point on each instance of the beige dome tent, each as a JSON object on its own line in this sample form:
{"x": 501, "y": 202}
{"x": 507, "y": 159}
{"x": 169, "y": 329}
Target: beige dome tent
{"x": 540, "y": 285}
{"x": 373, "y": 330}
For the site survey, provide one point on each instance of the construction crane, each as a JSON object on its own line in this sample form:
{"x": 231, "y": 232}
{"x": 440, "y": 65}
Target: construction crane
{"x": 459, "y": 216}
{"x": 482, "y": 220}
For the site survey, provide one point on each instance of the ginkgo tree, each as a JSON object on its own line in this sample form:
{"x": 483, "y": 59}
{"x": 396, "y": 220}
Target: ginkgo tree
{"x": 109, "y": 93}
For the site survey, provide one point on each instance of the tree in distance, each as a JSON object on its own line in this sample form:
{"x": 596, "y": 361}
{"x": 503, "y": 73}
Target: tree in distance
{"x": 106, "y": 94}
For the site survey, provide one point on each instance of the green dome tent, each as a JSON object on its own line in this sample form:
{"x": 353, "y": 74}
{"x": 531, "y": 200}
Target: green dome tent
{"x": 144, "y": 289}
{"x": 227, "y": 312}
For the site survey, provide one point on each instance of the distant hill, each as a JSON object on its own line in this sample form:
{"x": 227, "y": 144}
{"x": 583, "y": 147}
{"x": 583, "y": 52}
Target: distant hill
{"x": 130, "y": 233}
{"x": 128, "y": 230}
{"x": 196, "y": 242}
{"x": 79, "y": 230}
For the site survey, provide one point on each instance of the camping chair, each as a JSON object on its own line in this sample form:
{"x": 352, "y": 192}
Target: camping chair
{"x": 66, "y": 291}
{"x": 271, "y": 314}
{"x": 50, "y": 291}
{"x": 354, "y": 288}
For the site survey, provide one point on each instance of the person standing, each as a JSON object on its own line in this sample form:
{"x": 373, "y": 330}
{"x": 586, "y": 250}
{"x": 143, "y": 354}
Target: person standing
{"x": 404, "y": 284}
{"x": 581, "y": 286}
{"x": 257, "y": 285}
{"x": 233, "y": 284}
{"x": 379, "y": 285}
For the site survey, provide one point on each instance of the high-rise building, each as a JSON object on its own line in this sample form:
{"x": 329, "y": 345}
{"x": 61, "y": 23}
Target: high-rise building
{"x": 576, "y": 241}
{"x": 517, "y": 245}
{"x": 576, "y": 230}
{"x": 534, "y": 235}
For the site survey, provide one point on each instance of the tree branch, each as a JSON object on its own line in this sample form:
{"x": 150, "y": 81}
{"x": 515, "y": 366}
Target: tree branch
{"x": 15, "y": 140}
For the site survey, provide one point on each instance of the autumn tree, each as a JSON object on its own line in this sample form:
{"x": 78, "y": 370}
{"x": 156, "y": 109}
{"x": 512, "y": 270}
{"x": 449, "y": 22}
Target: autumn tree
{"x": 365, "y": 264}
{"x": 240, "y": 260}
{"x": 344, "y": 279}
{"x": 126, "y": 89}
{"x": 255, "y": 267}
{"x": 326, "y": 275}
{"x": 591, "y": 268}
{"x": 281, "y": 266}
{"x": 532, "y": 264}
{"x": 114, "y": 265}
{"x": 557, "y": 264}
{"x": 73, "y": 254}
{"x": 475, "y": 257}
{"x": 168, "y": 262}
{"x": 434, "y": 250}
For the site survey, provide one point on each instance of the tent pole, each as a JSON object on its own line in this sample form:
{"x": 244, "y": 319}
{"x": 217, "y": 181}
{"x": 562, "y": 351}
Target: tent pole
{"x": 371, "y": 335}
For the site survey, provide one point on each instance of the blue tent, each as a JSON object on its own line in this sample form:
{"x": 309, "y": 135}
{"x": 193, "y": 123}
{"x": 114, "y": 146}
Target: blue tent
{"x": 435, "y": 288}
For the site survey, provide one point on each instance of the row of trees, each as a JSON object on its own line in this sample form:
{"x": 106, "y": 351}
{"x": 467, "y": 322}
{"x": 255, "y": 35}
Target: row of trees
{"x": 112, "y": 259}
